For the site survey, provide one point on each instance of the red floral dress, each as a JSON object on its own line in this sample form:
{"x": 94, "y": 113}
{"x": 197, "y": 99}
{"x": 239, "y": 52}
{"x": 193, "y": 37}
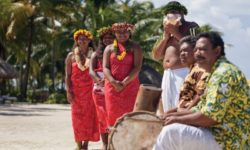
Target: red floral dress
{"x": 84, "y": 119}
{"x": 99, "y": 100}
{"x": 119, "y": 103}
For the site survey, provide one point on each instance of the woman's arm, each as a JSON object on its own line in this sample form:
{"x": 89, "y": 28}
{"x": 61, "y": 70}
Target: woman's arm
{"x": 92, "y": 67}
{"x": 106, "y": 69}
{"x": 137, "y": 65}
{"x": 68, "y": 71}
{"x": 106, "y": 64}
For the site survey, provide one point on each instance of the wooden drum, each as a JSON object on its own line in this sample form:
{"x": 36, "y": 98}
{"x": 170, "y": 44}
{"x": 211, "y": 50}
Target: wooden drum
{"x": 135, "y": 131}
{"x": 147, "y": 98}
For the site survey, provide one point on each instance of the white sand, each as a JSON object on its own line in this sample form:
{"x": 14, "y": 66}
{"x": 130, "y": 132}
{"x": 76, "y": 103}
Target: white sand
{"x": 37, "y": 127}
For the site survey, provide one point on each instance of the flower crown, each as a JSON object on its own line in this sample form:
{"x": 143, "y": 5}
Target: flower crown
{"x": 123, "y": 26}
{"x": 174, "y": 5}
{"x": 104, "y": 30}
{"x": 83, "y": 32}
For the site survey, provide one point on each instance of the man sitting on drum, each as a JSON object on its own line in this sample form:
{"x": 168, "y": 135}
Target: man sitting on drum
{"x": 221, "y": 118}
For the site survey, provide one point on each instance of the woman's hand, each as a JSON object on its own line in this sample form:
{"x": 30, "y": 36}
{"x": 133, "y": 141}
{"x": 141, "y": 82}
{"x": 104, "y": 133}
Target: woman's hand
{"x": 100, "y": 81}
{"x": 117, "y": 85}
{"x": 125, "y": 82}
{"x": 70, "y": 97}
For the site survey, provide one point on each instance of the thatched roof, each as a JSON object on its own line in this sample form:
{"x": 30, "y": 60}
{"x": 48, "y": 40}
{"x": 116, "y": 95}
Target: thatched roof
{"x": 7, "y": 71}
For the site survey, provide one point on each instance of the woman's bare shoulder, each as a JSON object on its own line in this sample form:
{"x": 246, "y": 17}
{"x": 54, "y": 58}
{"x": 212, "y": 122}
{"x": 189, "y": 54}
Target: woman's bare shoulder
{"x": 93, "y": 55}
{"x": 109, "y": 48}
{"x": 135, "y": 45}
{"x": 69, "y": 57}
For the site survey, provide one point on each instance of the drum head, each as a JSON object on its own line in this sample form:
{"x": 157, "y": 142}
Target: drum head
{"x": 135, "y": 131}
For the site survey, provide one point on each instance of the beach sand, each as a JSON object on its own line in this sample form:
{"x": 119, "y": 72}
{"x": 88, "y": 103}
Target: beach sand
{"x": 37, "y": 127}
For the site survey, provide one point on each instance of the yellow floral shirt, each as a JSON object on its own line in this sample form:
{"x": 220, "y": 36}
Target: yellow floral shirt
{"x": 226, "y": 100}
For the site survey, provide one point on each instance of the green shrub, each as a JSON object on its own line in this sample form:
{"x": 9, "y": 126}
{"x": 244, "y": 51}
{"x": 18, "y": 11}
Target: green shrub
{"x": 57, "y": 98}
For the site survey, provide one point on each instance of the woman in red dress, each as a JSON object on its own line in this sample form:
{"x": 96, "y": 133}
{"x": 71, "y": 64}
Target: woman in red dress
{"x": 79, "y": 86}
{"x": 95, "y": 69}
{"x": 122, "y": 62}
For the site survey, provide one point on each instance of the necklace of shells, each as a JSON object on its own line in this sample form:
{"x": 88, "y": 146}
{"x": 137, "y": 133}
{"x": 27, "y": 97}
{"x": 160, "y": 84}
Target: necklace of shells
{"x": 78, "y": 59}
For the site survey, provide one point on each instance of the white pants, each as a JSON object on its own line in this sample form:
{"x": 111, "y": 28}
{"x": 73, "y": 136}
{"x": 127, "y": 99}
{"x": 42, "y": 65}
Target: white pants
{"x": 184, "y": 137}
{"x": 171, "y": 83}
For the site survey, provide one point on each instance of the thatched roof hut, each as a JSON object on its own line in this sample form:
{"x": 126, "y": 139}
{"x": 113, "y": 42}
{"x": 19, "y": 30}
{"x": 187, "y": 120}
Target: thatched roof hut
{"x": 7, "y": 71}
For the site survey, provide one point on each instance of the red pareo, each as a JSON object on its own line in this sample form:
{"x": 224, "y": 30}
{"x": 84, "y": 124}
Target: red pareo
{"x": 84, "y": 119}
{"x": 99, "y": 100}
{"x": 119, "y": 103}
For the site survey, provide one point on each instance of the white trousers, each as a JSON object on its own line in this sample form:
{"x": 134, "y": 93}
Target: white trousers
{"x": 184, "y": 137}
{"x": 171, "y": 83}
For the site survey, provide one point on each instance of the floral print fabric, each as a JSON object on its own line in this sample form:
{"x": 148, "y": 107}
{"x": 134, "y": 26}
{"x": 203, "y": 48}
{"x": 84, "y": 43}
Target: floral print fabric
{"x": 226, "y": 100}
{"x": 194, "y": 84}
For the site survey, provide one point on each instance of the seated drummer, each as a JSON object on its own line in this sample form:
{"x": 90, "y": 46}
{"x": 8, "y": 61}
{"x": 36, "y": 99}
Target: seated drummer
{"x": 221, "y": 118}
{"x": 194, "y": 84}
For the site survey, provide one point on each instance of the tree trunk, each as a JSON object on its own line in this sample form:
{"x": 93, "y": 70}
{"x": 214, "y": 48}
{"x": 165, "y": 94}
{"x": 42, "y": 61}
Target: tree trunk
{"x": 20, "y": 81}
{"x": 53, "y": 57}
{"x": 27, "y": 69}
{"x": 2, "y": 51}
{"x": 2, "y": 81}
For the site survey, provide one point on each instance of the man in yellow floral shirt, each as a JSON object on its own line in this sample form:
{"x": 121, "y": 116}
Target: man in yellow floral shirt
{"x": 221, "y": 120}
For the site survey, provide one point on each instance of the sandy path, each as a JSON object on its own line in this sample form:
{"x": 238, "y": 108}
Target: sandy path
{"x": 37, "y": 127}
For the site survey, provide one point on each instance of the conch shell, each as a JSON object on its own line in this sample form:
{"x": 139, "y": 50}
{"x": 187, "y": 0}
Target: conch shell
{"x": 172, "y": 19}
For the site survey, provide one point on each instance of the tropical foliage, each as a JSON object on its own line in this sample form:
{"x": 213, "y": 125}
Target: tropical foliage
{"x": 36, "y": 35}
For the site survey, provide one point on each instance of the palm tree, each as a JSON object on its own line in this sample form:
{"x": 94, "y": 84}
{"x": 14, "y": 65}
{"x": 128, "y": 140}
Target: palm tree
{"x": 36, "y": 35}
{"x": 27, "y": 15}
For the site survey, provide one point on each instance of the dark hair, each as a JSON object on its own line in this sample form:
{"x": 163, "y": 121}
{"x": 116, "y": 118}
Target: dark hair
{"x": 175, "y": 6}
{"x": 214, "y": 38}
{"x": 188, "y": 39}
{"x": 101, "y": 46}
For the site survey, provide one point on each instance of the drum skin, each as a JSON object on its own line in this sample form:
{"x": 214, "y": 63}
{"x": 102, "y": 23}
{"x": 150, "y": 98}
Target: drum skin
{"x": 135, "y": 131}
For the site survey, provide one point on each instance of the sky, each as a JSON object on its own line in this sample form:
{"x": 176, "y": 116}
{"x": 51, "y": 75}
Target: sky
{"x": 232, "y": 18}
